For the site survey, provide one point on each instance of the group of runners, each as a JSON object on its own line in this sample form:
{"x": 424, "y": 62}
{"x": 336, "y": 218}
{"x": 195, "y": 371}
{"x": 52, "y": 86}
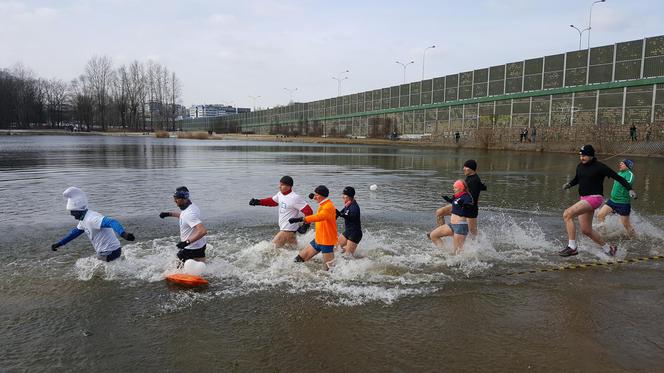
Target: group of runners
{"x": 295, "y": 215}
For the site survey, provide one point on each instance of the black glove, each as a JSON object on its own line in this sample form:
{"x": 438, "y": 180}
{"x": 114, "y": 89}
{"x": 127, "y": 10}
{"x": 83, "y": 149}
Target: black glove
{"x": 164, "y": 214}
{"x": 303, "y": 228}
{"x": 128, "y": 236}
{"x": 295, "y": 220}
{"x": 254, "y": 202}
{"x": 311, "y": 196}
{"x": 55, "y": 246}
{"x": 338, "y": 214}
{"x": 182, "y": 244}
{"x": 566, "y": 186}
{"x": 448, "y": 199}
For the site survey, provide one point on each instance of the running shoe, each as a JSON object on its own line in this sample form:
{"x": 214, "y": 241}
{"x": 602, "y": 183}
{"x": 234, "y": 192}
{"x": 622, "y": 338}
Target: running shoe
{"x": 568, "y": 251}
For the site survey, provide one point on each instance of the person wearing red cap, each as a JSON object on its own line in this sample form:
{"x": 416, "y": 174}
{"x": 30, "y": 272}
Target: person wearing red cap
{"x": 475, "y": 186}
{"x": 461, "y": 203}
{"x": 590, "y": 174}
{"x": 291, "y": 205}
{"x": 326, "y": 228}
{"x": 620, "y": 201}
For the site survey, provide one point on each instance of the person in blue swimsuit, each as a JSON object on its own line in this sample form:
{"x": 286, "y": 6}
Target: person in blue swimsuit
{"x": 100, "y": 229}
{"x": 352, "y": 234}
{"x": 462, "y": 208}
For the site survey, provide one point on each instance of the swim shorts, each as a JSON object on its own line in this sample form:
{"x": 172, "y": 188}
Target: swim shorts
{"x": 322, "y": 248}
{"x": 185, "y": 254}
{"x": 622, "y": 209}
{"x": 461, "y": 228}
{"x": 111, "y": 255}
{"x": 353, "y": 236}
{"x": 594, "y": 200}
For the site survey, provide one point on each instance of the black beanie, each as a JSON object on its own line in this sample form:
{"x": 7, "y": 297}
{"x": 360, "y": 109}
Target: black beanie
{"x": 286, "y": 180}
{"x": 322, "y": 190}
{"x": 349, "y": 191}
{"x": 587, "y": 150}
{"x": 470, "y": 164}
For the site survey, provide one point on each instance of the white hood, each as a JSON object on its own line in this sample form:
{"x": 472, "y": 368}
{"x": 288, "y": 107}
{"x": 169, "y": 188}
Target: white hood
{"x": 76, "y": 199}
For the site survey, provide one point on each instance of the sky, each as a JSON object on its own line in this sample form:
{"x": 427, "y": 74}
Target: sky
{"x": 224, "y": 52}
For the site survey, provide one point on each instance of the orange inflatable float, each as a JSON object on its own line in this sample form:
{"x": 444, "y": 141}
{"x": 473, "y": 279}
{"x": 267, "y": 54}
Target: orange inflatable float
{"x": 185, "y": 279}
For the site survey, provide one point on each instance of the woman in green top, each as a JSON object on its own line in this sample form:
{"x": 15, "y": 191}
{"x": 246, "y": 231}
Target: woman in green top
{"x": 620, "y": 200}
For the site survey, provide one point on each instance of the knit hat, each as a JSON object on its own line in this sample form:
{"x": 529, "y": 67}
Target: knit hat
{"x": 587, "y": 150}
{"x": 287, "y": 180}
{"x": 629, "y": 163}
{"x": 181, "y": 192}
{"x": 322, "y": 190}
{"x": 76, "y": 199}
{"x": 470, "y": 164}
{"x": 349, "y": 191}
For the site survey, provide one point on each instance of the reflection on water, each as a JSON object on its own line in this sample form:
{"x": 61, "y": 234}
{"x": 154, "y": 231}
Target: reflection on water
{"x": 398, "y": 286}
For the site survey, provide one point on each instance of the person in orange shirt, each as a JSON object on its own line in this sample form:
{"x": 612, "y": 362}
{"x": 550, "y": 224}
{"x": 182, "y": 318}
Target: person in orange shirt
{"x": 326, "y": 228}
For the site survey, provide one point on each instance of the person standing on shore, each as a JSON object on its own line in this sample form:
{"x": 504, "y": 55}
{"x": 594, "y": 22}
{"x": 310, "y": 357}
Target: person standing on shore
{"x": 632, "y": 132}
{"x": 475, "y": 186}
{"x": 193, "y": 233}
{"x": 325, "y": 221}
{"x": 590, "y": 174}
{"x": 620, "y": 201}
{"x": 461, "y": 204}
{"x": 100, "y": 229}
{"x": 291, "y": 205}
{"x": 352, "y": 234}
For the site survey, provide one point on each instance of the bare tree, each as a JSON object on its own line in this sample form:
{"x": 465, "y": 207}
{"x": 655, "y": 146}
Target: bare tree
{"x": 56, "y": 97}
{"x": 136, "y": 93}
{"x": 99, "y": 74}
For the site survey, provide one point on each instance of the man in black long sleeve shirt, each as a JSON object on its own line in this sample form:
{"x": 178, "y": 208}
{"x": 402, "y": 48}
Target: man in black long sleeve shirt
{"x": 590, "y": 174}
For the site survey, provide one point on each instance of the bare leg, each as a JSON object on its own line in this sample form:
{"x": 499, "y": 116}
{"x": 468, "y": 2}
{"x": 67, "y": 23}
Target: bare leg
{"x": 459, "y": 239}
{"x": 440, "y": 232}
{"x": 284, "y": 238}
{"x": 628, "y": 226}
{"x": 570, "y": 213}
{"x": 342, "y": 242}
{"x": 308, "y": 253}
{"x": 603, "y": 212}
{"x": 586, "y": 225}
{"x": 350, "y": 247}
{"x": 472, "y": 226}
{"x": 328, "y": 258}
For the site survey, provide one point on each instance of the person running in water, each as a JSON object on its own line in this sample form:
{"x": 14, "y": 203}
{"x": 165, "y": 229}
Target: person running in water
{"x": 620, "y": 198}
{"x": 590, "y": 174}
{"x": 462, "y": 207}
{"x": 475, "y": 186}
{"x": 100, "y": 229}
{"x": 352, "y": 235}
{"x": 325, "y": 221}
{"x": 192, "y": 231}
{"x": 291, "y": 205}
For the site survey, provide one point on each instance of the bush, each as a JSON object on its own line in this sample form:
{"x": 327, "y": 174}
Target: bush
{"x": 161, "y": 134}
{"x": 199, "y": 135}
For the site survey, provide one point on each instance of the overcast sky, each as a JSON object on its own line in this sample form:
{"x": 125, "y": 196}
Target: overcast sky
{"x": 226, "y": 51}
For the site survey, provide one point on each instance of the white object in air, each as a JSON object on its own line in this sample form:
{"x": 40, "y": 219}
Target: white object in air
{"x": 373, "y": 187}
{"x": 193, "y": 267}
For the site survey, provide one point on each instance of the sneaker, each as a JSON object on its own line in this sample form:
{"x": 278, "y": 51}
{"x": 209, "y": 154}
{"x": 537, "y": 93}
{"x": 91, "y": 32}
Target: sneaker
{"x": 568, "y": 251}
{"x": 612, "y": 250}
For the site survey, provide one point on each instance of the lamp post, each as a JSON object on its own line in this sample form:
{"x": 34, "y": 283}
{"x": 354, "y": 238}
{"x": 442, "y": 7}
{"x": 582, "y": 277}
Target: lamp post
{"x": 291, "y": 91}
{"x": 254, "y": 98}
{"x": 340, "y": 78}
{"x": 590, "y": 19}
{"x": 580, "y": 33}
{"x": 404, "y": 65}
{"x": 424, "y": 56}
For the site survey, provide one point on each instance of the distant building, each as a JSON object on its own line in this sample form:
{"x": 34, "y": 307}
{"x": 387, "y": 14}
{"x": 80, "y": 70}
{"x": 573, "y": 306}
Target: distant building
{"x": 208, "y": 111}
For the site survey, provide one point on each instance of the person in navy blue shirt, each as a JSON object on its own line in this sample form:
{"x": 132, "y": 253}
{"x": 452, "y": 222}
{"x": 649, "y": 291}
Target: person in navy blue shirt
{"x": 352, "y": 234}
{"x": 462, "y": 209}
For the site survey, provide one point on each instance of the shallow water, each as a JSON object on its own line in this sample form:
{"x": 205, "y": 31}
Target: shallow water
{"x": 400, "y": 306}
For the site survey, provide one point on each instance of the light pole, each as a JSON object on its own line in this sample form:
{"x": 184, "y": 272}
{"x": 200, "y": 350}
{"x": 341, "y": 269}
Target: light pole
{"x": 424, "y": 56}
{"x": 340, "y": 79}
{"x": 580, "y": 33}
{"x": 291, "y": 91}
{"x": 254, "y": 98}
{"x": 404, "y": 65}
{"x": 590, "y": 19}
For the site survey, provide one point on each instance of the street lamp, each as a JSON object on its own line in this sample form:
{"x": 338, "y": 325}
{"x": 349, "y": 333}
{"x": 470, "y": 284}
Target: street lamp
{"x": 254, "y": 98}
{"x": 424, "y": 55}
{"x": 404, "y": 65}
{"x": 590, "y": 19}
{"x": 291, "y": 91}
{"x": 580, "y": 33}
{"x": 340, "y": 79}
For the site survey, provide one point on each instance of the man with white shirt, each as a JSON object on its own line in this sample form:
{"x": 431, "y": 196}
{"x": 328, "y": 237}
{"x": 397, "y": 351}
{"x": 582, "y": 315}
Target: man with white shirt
{"x": 192, "y": 231}
{"x": 291, "y": 205}
{"x": 100, "y": 229}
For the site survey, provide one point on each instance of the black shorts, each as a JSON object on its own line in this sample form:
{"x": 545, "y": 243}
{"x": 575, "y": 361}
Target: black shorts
{"x": 111, "y": 256}
{"x": 185, "y": 254}
{"x": 353, "y": 236}
{"x": 471, "y": 212}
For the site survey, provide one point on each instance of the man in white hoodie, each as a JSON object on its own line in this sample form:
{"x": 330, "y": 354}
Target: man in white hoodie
{"x": 100, "y": 229}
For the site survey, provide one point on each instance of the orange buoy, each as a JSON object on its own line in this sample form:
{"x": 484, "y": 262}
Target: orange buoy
{"x": 185, "y": 279}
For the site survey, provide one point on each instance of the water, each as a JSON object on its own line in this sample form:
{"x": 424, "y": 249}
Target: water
{"x": 401, "y": 306}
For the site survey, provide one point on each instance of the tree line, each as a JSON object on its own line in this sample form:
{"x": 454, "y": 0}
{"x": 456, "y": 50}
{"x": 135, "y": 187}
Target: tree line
{"x": 136, "y": 97}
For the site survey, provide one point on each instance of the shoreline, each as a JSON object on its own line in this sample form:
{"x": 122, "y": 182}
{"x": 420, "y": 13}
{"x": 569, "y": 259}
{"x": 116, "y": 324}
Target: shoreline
{"x": 539, "y": 147}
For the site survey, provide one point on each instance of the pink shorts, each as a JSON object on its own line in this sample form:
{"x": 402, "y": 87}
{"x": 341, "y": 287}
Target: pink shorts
{"x": 595, "y": 200}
